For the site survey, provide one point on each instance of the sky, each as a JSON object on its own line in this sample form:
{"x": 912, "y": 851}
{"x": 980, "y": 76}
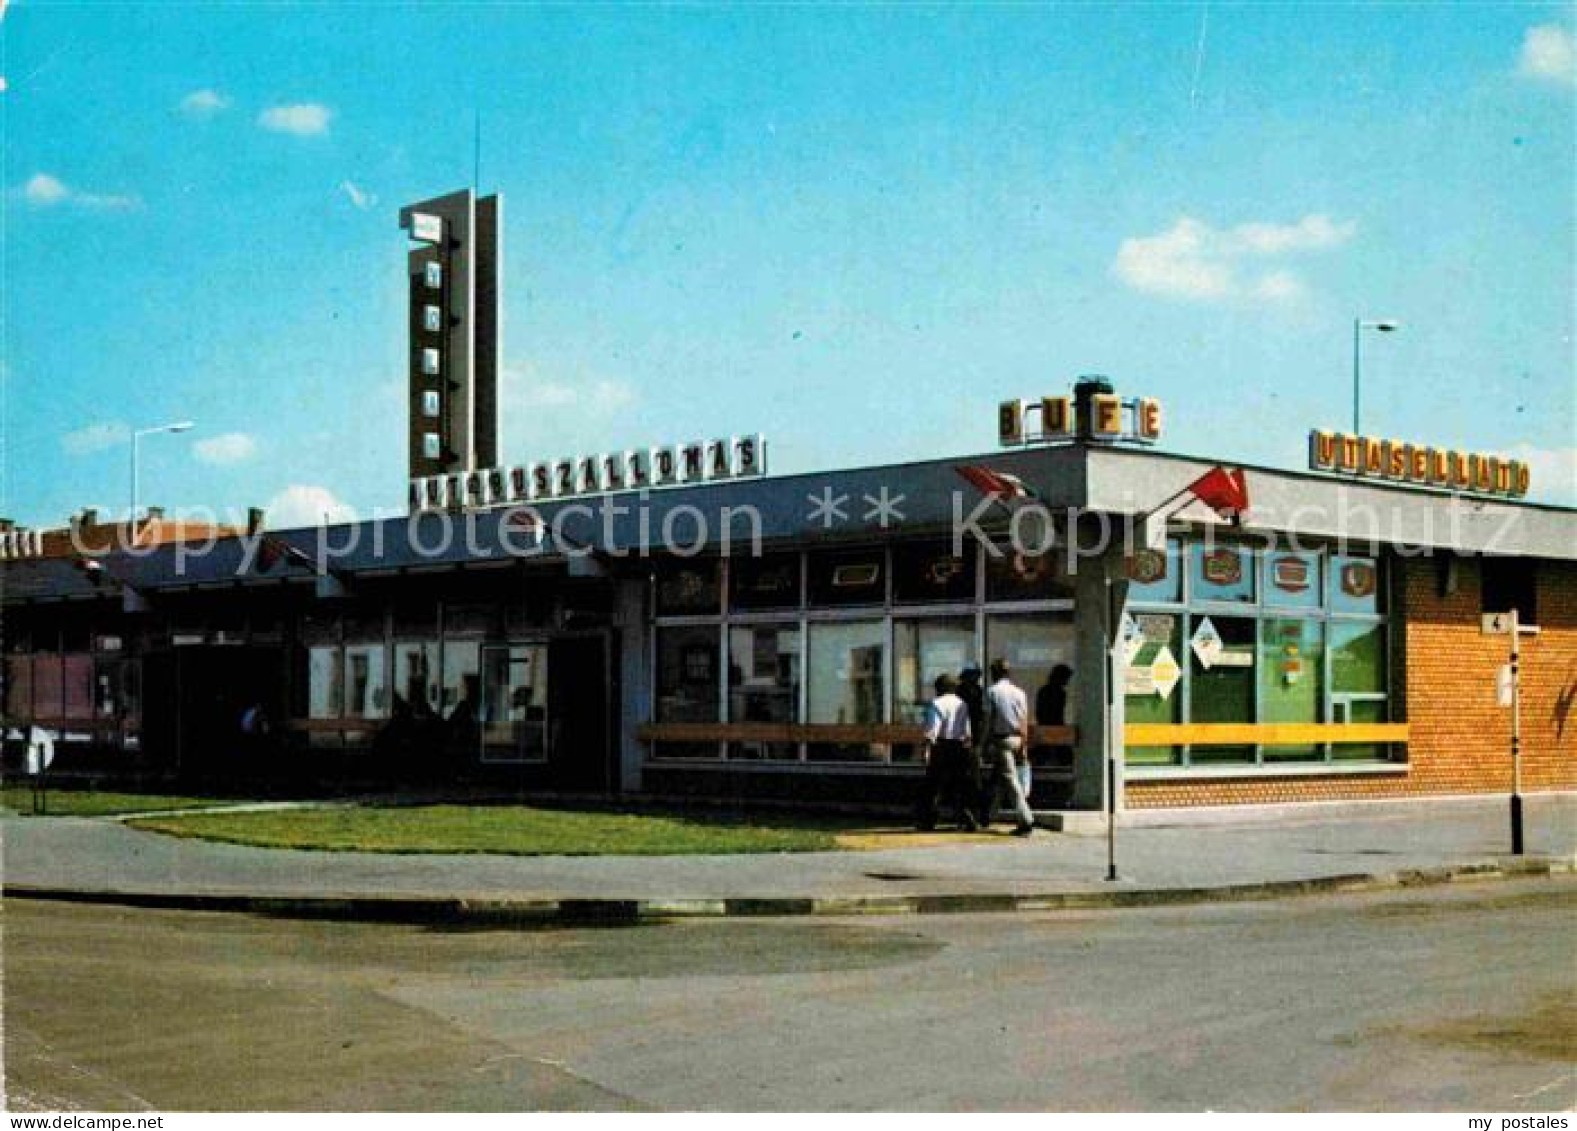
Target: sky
{"x": 854, "y": 229}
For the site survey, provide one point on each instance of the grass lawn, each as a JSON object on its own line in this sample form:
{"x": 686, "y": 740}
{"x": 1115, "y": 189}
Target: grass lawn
{"x": 96, "y": 803}
{"x": 517, "y": 830}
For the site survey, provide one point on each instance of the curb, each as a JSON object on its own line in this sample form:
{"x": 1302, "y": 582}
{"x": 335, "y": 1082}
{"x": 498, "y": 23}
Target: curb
{"x": 524, "y": 912}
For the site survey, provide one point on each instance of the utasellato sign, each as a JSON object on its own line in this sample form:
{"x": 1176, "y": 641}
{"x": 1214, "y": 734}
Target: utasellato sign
{"x": 701, "y": 461}
{"x": 1394, "y": 460}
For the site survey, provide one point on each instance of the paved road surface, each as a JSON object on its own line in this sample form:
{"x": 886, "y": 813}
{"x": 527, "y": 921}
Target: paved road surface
{"x": 1454, "y": 998}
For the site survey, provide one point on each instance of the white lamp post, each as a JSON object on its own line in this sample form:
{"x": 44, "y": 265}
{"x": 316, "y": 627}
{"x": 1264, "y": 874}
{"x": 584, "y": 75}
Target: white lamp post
{"x": 1381, "y": 325}
{"x": 136, "y": 436}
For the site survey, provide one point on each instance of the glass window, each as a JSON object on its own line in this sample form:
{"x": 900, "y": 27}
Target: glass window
{"x": 689, "y": 588}
{"x": 687, "y": 675}
{"x": 848, "y": 577}
{"x": 415, "y": 677}
{"x": 470, "y": 620}
{"x": 432, "y": 446}
{"x": 1292, "y": 580}
{"x": 366, "y": 694}
{"x": 922, "y": 651}
{"x": 432, "y": 319}
{"x": 763, "y": 684}
{"x": 1222, "y": 691}
{"x": 846, "y": 676}
{"x": 515, "y": 703}
{"x": 77, "y": 685}
{"x": 763, "y": 673}
{"x": 1292, "y": 663}
{"x": 323, "y": 681}
{"x": 1360, "y": 711}
{"x": 429, "y": 361}
{"x": 19, "y": 687}
{"x": 1221, "y": 573}
{"x": 107, "y": 698}
{"x": 1015, "y": 576}
{"x": 1357, "y": 657}
{"x": 1355, "y": 584}
{"x": 1155, "y": 577}
{"x": 431, "y": 404}
{"x": 927, "y": 572}
{"x": 770, "y": 581}
{"x": 462, "y": 682}
{"x": 1151, "y": 693}
{"x": 845, "y": 671}
{"x": 1033, "y": 644}
{"x": 433, "y": 275}
{"x": 46, "y": 686}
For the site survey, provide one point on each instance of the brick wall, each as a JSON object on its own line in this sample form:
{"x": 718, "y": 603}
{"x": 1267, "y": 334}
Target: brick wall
{"x": 1461, "y": 739}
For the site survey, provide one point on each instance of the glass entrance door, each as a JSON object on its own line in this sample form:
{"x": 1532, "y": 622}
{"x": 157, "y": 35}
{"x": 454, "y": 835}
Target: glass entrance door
{"x": 514, "y": 703}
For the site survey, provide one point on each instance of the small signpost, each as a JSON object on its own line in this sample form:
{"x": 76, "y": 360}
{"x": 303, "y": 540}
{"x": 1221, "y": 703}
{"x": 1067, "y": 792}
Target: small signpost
{"x": 40, "y": 753}
{"x": 1508, "y": 693}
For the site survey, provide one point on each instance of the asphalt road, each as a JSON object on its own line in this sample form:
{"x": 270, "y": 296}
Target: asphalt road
{"x": 1445, "y": 998}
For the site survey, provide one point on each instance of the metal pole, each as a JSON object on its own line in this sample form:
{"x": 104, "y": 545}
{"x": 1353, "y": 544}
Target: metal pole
{"x": 1110, "y": 681}
{"x": 132, "y": 519}
{"x": 1357, "y": 326}
{"x": 1516, "y": 735}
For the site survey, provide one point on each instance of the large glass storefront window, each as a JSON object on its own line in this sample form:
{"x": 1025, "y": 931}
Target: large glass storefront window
{"x": 1221, "y": 681}
{"x": 847, "y": 668}
{"x": 1151, "y": 678}
{"x": 1034, "y": 644}
{"x": 922, "y": 651}
{"x": 515, "y": 703}
{"x": 1256, "y": 637}
{"x": 1291, "y": 680}
{"x": 763, "y": 684}
{"x": 416, "y": 687}
{"x": 687, "y": 674}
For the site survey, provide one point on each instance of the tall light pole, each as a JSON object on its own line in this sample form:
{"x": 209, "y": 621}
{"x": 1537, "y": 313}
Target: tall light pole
{"x": 136, "y": 436}
{"x": 1359, "y": 325}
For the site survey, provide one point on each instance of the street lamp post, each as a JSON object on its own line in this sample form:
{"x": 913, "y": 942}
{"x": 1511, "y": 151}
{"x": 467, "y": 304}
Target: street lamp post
{"x": 136, "y": 436}
{"x": 1359, "y": 325}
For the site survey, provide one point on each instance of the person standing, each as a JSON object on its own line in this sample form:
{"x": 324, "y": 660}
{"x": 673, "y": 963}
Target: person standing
{"x": 1007, "y": 744}
{"x": 949, "y": 760}
{"x": 974, "y": 697}
{"x": 1051, "y": 710}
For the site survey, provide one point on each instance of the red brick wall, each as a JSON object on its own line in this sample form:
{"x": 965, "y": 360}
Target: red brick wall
{"x": 1461, "y": 740}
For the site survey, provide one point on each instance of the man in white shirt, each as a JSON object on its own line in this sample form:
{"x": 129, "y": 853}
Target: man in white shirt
{"x": 1007, "y": 745}
{"x": 949, "y": 764}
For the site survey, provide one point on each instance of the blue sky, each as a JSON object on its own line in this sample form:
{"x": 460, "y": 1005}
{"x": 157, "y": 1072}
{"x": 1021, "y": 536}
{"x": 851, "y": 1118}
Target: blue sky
{"x": 852, "y": 228}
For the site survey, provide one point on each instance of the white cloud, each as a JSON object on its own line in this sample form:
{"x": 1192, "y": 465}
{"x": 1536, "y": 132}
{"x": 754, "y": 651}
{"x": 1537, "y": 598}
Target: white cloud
{"x": 1192, "y": 260}
{"x": 43, "y": 190}
{"x": 1549, "y": 54}
{"x": 202, "y": 104}
{"x": 303, "y": 504}
{"x": 357, "y": 195}
{"x": 1552, "y": 472}
{"x": 526, "y": 385}
{"x": 95, "y": 438}
{"x": 229, "y": 447}
{"x": 304, "y": 119}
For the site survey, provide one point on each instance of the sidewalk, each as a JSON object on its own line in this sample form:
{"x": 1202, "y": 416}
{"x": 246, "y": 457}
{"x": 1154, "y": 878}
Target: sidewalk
{"x": 1302, "y": 851}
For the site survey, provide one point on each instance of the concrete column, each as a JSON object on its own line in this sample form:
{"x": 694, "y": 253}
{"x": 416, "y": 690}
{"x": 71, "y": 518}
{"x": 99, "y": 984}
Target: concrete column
{"x": 1090, "y": 704}
{"x": 629, "y": 615}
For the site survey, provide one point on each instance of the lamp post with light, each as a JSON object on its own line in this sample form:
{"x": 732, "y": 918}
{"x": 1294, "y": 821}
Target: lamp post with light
{"x": 136, "y": 436}
{"x": 1359, "y": 325}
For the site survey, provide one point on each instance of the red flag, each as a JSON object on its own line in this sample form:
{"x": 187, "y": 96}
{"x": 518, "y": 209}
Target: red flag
{"x": 1223, "y": 491}
{"x": 995, "y": 484}
{"x": 92, "y": 569}
{"x": 272, "y": 550}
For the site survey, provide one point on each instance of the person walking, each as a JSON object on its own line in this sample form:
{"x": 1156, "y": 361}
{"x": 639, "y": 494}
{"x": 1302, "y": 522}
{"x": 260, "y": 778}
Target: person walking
{"x": 974, "y": 697}
{"x": 1007, "y": 744}
{"x": 949, "y": 760}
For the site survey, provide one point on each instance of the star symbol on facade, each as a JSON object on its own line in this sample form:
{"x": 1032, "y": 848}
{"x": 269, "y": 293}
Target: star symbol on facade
{"x": 827, "y": 508}
{"x": 883, "y": 508}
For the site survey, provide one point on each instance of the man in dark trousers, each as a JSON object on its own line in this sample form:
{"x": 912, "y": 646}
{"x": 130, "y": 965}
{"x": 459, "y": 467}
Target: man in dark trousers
{"x": 949, "y": 759}
{"x": 974, "y": 697}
